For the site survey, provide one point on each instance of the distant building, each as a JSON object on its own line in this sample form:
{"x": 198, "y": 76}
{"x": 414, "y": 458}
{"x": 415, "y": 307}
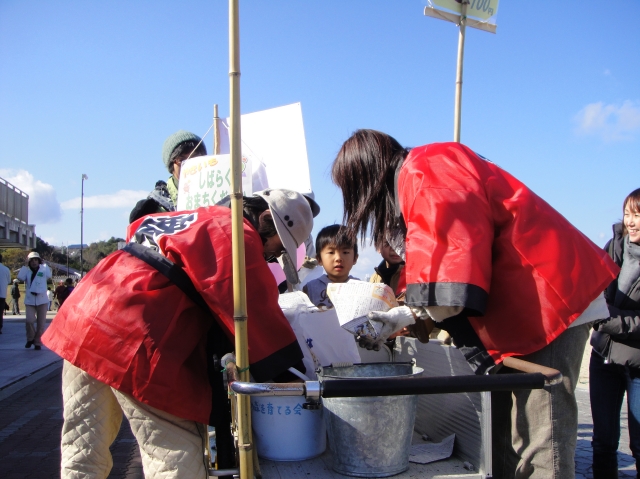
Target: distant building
{"x": 74, "y": 249}
{"x": 15, "y": 230}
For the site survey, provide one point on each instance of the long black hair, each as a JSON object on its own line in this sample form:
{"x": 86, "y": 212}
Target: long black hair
{"x": 365, "y": 172}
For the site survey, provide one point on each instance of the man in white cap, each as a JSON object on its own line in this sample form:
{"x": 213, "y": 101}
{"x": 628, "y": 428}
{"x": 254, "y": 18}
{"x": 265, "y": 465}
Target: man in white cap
{"x": 140, "y": 331}
{"x": 36, "y": 302}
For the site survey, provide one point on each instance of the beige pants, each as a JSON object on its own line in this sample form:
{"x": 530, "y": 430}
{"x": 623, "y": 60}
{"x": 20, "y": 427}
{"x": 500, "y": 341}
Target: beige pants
{"x": 170, "y": 447}
{"x": 36, "y": 315}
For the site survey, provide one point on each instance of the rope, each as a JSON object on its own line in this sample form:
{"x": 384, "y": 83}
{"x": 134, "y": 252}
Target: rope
{"x": 240, "y": 370}
{"x": 201, "y": 139}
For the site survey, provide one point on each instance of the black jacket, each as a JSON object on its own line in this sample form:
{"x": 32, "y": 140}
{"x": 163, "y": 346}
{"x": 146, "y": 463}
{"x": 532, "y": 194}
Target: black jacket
{"x": 617, "y": 338}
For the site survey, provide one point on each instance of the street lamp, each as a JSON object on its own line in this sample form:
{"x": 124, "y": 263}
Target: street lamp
{"x": 84, "y": 177}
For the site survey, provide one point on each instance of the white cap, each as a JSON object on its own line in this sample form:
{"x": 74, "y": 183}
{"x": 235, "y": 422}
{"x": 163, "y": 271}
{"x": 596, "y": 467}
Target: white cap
{"x": 32, "y": 255}
{"x": 293, "y": 218}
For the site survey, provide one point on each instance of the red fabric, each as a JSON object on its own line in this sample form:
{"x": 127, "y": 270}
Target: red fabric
{"x": 129, "y": 327}
{"x": 470, "y": 222}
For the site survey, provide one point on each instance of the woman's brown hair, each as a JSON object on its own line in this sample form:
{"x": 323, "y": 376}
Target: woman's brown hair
{"x": 365, "y": 172}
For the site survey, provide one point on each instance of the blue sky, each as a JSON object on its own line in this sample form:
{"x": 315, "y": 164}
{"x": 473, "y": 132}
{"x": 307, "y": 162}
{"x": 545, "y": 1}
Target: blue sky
{"x": 95, "y": 87}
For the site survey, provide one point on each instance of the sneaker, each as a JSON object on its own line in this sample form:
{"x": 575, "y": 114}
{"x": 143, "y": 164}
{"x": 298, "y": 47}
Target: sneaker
{"x": 28, "y": 345}
{"x": 37, "y": 347}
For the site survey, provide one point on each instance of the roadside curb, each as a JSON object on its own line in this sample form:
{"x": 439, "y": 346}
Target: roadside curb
{"x": 29, "y": 379}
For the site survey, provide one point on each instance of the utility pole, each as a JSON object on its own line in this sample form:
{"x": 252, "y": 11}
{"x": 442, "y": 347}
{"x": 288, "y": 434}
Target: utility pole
{"x": 84, "y": 177}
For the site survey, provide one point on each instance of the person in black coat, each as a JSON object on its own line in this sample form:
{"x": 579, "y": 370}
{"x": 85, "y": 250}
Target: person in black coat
{"x": 615, "y": 359}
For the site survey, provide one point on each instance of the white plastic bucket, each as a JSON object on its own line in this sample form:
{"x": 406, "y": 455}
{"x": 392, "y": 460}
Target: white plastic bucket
{"x": 285, "y": 431}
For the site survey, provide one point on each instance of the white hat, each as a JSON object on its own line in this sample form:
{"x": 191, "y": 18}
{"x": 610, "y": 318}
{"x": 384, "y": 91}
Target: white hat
{"x": 32, "y": 255}
{"x": 293, "y": 218}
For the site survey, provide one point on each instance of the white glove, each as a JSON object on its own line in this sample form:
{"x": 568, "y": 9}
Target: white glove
{"x": 391, "y": 321}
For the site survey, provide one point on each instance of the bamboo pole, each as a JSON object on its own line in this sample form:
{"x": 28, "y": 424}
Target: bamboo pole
{"x": 216, "y": 131}
{"x": 245, "y": 444}
{"x": 458, "y": 105}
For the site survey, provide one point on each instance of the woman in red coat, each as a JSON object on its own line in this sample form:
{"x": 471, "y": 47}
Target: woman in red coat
{"x": 491, "y": 263}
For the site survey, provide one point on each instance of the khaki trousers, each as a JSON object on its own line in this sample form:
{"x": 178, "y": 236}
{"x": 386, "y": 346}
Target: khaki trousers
{"x": 170, "y": 447}
{"x": 36, "y": 314}
{"x": 535, "y": 431}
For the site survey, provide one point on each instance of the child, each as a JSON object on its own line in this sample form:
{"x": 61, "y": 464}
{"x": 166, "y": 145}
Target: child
{"x": 337, "y": 255}
{"x": 390, "y": 269}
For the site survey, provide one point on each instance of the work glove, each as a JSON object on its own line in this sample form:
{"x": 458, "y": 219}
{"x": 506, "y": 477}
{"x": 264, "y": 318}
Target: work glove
{"x": 390, "y": 321}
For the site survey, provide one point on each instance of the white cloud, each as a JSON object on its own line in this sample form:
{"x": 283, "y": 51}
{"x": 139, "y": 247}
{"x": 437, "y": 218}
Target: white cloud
{"x": 43, "y": 202}
{"x": 609, "y": 122}
{"x": 119, "y": 199}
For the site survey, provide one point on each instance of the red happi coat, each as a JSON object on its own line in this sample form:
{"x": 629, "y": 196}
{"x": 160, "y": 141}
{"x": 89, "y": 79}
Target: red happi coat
{"x": 128, "y": 326}
{"x": 479, "y": 238}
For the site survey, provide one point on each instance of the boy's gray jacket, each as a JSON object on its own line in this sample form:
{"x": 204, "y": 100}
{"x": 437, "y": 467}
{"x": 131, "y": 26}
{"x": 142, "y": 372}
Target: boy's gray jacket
{"x": 617, "y": 339}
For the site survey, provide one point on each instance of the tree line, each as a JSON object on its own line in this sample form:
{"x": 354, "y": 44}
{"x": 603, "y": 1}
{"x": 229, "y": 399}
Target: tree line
{"x": 91, "y": 255}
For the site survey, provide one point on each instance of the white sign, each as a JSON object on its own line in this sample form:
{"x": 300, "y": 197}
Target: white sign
{"x": 274, "y": 141}
{"x": 205, "y": 180}
{"x": 482, "y": 9}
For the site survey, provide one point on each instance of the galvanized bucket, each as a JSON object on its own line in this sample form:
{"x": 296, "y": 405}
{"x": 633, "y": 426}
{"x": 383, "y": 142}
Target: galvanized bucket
{"x": 370, "y": 436}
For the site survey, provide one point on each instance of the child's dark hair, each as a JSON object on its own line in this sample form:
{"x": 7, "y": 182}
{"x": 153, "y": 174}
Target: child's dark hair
{"x": 335, "y": 235}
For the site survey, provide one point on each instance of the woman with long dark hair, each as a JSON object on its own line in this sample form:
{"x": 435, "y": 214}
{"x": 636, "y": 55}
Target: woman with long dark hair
{"x": 494, "y": 265}
{"x": 615, "y": 359}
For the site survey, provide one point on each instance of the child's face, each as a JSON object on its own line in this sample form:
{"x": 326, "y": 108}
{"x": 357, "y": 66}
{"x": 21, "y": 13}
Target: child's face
{"x": 389, "y": 255}
{"x": 337, "y": 262}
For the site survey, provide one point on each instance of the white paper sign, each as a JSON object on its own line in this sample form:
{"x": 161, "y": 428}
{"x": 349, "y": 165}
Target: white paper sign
{"x": 274, "y": 140}
{"x": 205, "y": 180}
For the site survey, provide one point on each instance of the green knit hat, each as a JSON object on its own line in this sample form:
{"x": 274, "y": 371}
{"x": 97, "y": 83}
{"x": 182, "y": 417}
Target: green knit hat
{"x": 174, "y": 141}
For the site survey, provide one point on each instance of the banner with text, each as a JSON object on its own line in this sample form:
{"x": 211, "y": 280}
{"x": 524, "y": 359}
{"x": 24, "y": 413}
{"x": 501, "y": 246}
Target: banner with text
{"x": 205, "y": 180}
{"x": 480, "y": 9}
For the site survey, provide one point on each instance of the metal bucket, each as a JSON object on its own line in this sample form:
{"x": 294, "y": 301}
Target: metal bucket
{"x": 370, "y": 436}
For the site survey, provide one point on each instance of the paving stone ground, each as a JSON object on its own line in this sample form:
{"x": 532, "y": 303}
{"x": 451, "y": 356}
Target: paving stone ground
{"x": 30, "y": 425}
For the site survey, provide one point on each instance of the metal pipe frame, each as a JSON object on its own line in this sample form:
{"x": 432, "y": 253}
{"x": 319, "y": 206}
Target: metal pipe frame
{"x": 368, "y": 387}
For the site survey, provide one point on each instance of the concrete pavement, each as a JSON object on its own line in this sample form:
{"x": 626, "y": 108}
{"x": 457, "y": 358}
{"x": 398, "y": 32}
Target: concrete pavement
{"x": 17, "y": 362}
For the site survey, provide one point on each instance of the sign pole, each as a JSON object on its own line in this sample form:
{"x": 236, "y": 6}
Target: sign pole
{"x": 245, "y": 444}
{"x": 216, "y": 131}
{"x": 458, "y": 102}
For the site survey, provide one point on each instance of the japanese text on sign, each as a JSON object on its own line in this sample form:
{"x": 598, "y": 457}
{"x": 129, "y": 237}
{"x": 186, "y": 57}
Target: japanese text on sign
{"x": 271, "y": 410}
{"x": 205, "y": 180}
{"x": 482, "y": 9}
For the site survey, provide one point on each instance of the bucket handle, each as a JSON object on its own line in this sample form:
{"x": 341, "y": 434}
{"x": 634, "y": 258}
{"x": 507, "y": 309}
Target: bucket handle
{"x": 551, "y": 376}
{"x": 302, "y": 376}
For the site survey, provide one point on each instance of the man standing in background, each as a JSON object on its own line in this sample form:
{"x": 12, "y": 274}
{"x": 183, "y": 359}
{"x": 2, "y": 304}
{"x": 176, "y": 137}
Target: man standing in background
{"x": 5, "y": 280}
{"x": 15, "y": 296}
